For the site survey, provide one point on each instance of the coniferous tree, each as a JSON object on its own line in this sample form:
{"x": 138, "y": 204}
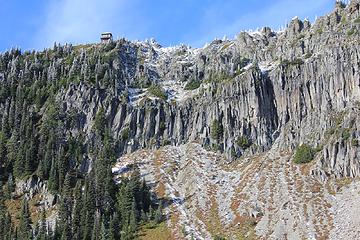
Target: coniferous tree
{"x": 10, "y": 187}
{"x": 133, "y": 218}
{"x": 54, "y": 177}
{"x": 2, "y": 200}
{"x": 30, "y": 158}
{"x": 100, "y": 122}
{"x": 24, "y": 230}
{"x": 34, "y": 140}
{"x": 158, "y": 214}
{"x": 103, "y": 232}
{"x": 114, "y": 227}
{"x": 5, "y": 226}
{"x": 145, "y": 196}
{"x": 5, "y": 128}
{"x": 12, "y": 152}
{"x": 66, "y": 232}
{"x": 57, "y": 234}
{"x": 78, "y": 204}
{"x": 45, "y": 163}
{"x": 3, "y": 153}
{"x": 89, "y": 208}
{"x": 42, "y": 229}
{"x": 96, "y": 229}
{"x": 63, "y": 167}
{"x": 19, "y": 163}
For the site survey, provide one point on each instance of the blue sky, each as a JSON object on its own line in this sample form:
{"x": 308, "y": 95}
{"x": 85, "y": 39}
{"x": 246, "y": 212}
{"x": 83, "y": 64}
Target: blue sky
{"x": 36, "y": 24}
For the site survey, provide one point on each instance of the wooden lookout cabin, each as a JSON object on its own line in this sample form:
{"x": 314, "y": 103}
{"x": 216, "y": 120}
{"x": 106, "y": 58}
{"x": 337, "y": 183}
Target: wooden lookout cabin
{"x": 106, "y": 37}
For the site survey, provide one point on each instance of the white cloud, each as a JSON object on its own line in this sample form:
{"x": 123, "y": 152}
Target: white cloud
{"x": 77, "y": 21}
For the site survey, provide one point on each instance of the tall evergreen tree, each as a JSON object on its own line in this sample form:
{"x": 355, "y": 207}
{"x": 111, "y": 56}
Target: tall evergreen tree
{"x": 25, "y": 231}
{"x": 2, "y": 200}
{"x": 42, "y": 230}
{"x": 10, "y": 187}
{"x": 114, "y": 227}
{"x": 103, "y": 232}
{"x": 54, "y": 177}
{"x": 3, "y": 154}
{"x": 96, "y": 229}
{"x": 78, "y": 204}
{"x": 100, "y": 122}
{"x": 88, "y": 212}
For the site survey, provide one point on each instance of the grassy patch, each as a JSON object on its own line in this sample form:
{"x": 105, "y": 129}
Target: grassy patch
{"x": 346, "y": 134}
{"x": 308, "y": 55}
{"x": 243, "y": 142}
{"x": 304, "y": 154}
{"x": 192, "y": 85}
{"x": 225, "y": 47}
{"x": 294, "y": 62}
{"x": 351, "y": 32}
{"x": 153, "y": 231}
{"x": 217, "y": 130}
{"x": 339, "y": 118}
{"x": 125, "y": 134}
{"x": 330, "y": 132}
{"x": 343, "y": 182}
{"x": 219, "y": 78}
{"x": 157, "y": 91}
{"x": 14, "y": 208}
{"x": 319, "y": 31}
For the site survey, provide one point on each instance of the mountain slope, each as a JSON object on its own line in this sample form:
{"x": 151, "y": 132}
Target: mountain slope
{"x": 214, "y": 130}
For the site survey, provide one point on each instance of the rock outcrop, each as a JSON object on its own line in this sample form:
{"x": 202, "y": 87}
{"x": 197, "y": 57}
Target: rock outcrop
{"x": 293, "y": 85}
{"x": 255, "y": 98}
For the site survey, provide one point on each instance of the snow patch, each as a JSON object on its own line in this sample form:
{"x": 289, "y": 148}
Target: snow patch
{"x": 176, "y": 91}
{"x": 136, "y": 95}
{"x": 266, "y": 66}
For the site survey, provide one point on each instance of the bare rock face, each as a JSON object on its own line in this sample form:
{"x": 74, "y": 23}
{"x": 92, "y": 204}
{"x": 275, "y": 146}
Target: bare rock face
{"x": 265, "y": 196}
{"x": 218, "y": 125}
{"x": 34, "y": 186}
{"x": 289, "y": 86}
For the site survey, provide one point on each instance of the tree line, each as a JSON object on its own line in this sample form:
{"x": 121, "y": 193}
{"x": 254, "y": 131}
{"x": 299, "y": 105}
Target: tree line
{"x": 36, "y": 139}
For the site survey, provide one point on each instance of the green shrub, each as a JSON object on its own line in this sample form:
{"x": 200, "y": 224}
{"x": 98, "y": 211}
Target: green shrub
{"x": 346, "y": 134}
{"x": 243, "y": 142}
{"x": 217, "y": 237}
{"x": 166, "y": 142}
{"x": 330, "y": 131}
{"x": 318, "y": 148}
{"x": 295, "y": 62}
{"x": 192, "y": 85}
{"x": 351, "y": 32}
{"x": 342, "y": 4}
{"x": 308, "y": 55}
{"x": 357, "y": 20}
{"x": 216, "y": 130}
{"x": 162, "y": 126}
{"x": 100, "y": 121}
{"x": 319, "y": 31}
{"x": 354, "y": 142}
{"x": 125, "y": 134}
{"x": 304, "y": 154}
{"x": 157, "y": 91}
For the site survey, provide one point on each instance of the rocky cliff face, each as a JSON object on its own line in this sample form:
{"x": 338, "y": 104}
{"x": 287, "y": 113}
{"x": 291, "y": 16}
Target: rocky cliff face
{"x": 254, "y": 98}
{"x": 297, "y": 86}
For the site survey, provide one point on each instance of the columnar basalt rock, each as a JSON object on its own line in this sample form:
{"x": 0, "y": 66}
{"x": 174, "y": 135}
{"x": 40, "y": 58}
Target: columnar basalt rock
{"x": 286, "y": 86}
{"x": 265, "y": 86}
